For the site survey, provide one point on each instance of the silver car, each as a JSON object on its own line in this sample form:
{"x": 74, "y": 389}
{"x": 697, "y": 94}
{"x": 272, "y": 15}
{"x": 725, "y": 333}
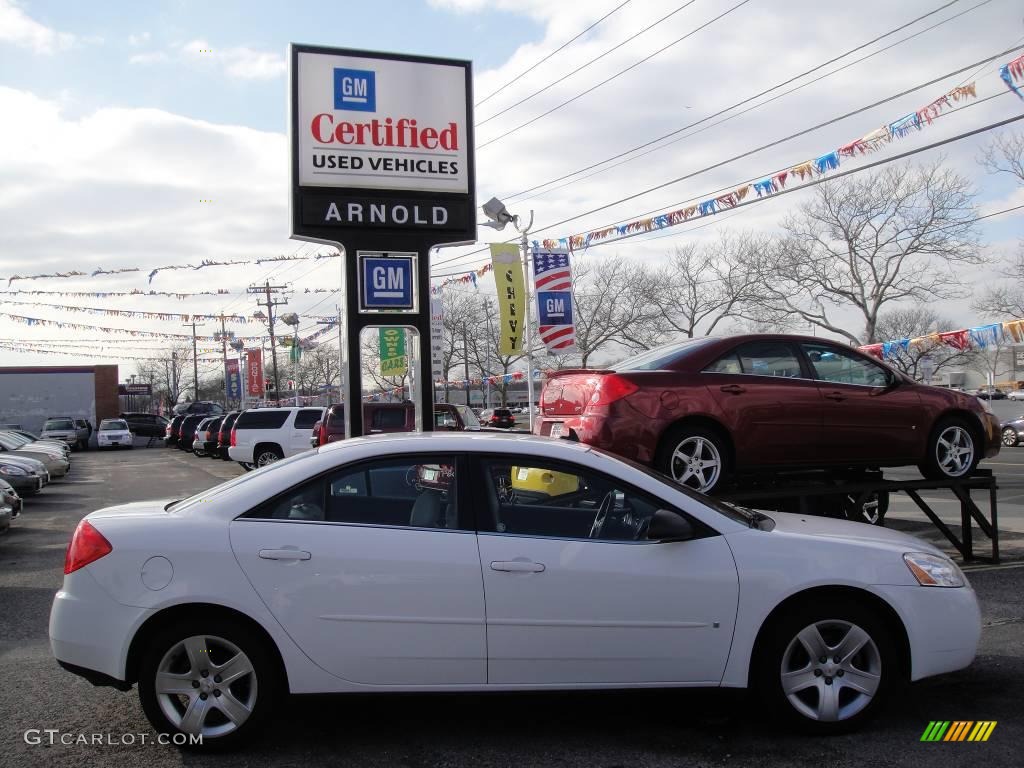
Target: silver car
{"x": 54, "y": 461}
{"x": 25, "y": 475}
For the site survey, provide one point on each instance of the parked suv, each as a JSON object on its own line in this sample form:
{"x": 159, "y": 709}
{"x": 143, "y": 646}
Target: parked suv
{"x": 498, "y": 417}
{"x": 206, "y": 407}
{"x": 145, "y": 424}
{"x": 392, "y": 417}
{"x": 173, "y": 431}
{"x": 205, "y": 443}
{"x": 64, "y": 428}
{"x": 261, "y": 436}
{"x": 224, "y": 435}
{"x": 187, "y": 430}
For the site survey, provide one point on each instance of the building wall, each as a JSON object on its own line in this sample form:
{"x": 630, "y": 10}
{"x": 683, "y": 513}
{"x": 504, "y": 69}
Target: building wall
{"x": 30, "y": 395}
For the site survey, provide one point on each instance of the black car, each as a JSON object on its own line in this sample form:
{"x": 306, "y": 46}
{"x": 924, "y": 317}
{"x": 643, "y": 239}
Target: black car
{"x": 1012, "y": 432}
{"x": 990, "y": 393}
{"x": 206, "y": 437}
{"x": 224, "y": 435}
{"x": 498, "y": 417}
{"x": 205, "y": 407}
{"x": 187, "y": 430}
{"x": 145, "y": 424}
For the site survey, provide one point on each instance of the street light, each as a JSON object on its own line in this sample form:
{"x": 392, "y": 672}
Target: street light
{"x": 500, "y": 216}
{"x": 292, "y": 319}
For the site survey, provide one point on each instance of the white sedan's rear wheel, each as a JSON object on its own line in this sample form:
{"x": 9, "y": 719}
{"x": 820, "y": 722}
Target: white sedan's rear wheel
{"x": 209, "y": 678}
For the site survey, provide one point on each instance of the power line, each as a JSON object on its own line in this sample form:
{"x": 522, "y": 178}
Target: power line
{"x": 618, "y": 74}
{"x": 729, "y": 117}
{"x": 747, "y": 153}
{"x": 562, "y": 47}
{"x": 580, "y": 68}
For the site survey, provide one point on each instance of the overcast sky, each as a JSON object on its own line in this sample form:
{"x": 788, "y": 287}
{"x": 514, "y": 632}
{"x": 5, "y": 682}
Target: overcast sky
{"x": 119, "y": 120}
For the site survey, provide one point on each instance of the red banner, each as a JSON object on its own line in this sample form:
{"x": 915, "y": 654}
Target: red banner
{"x": 254, "y": 370}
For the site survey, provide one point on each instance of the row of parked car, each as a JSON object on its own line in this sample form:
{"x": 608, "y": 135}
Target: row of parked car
{"x": 28, "y": 463}
{"x": 259, "y": 436}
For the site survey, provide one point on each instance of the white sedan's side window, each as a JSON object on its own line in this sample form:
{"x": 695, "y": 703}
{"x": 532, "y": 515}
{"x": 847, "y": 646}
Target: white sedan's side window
{"x": 532, "y": 497}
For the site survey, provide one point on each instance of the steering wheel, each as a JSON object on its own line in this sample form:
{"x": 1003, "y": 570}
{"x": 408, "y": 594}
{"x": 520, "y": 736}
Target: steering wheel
{"x": 602, "y": 514}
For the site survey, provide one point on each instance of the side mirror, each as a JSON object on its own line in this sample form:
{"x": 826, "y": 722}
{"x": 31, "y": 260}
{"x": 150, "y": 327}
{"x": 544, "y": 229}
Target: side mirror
{"x": 667, "y": 526}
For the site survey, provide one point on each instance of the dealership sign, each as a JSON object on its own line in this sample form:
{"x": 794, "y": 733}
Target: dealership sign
{"x": 380, "y": 141}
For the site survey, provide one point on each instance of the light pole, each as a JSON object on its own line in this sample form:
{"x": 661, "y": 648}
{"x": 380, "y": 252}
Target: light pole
{"x": 292, "y": 319}
{"x": 499, "y": 216}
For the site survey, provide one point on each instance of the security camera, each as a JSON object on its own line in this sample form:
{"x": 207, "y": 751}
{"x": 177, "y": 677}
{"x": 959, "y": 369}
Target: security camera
{"x": 496, "y": 211}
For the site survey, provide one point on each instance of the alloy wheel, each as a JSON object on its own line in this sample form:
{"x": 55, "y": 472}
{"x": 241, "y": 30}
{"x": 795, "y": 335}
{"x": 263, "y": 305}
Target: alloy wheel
{"x": 267, "y": 457}
{"x": 954, "y": 451}
{"x": 831, "y": 670}
{"x": 206, "y": 685}
{"x": 696, "y": 463}
{"x": 1009, "y": 437}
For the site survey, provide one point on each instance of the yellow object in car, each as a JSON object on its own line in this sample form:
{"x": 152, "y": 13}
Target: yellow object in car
{"x": 544, "y": 481}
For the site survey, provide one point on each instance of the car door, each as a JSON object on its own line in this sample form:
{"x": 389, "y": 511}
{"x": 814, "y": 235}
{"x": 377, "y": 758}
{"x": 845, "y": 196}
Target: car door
{"x": 374, "y": 574}
{"x": 868, "y": 416}
{"x": 302, "y": 428}
{"x": 770, "y": 403}
{"x": 567, "y": 607}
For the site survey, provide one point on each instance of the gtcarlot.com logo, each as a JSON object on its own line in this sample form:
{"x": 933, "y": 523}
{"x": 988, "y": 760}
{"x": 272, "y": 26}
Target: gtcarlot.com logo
{"x": 56, "y": 737}
{"x": 959, "y": 730}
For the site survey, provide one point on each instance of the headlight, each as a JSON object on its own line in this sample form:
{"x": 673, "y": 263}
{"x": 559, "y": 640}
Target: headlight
{"x": 933, "y": 570}
{"x": 9, "y": 470}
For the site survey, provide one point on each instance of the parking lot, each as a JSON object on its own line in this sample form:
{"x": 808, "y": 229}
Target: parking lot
{"x": 592, "y": 729}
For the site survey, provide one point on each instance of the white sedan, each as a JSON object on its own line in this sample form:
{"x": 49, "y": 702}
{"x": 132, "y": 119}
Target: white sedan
{"x": 486, "y": 562}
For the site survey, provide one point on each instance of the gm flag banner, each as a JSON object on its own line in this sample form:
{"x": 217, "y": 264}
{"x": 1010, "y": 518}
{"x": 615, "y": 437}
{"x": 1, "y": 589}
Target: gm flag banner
{"x": 508, "y": 275}
{"x": 392, "y": 352}
{"x": 254, "y": 367}
{"x": 552, "y": 279}
{"x": 234, "y": 378}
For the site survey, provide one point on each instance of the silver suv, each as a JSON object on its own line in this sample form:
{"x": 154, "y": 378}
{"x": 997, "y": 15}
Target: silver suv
{"x": 65, "y": 428}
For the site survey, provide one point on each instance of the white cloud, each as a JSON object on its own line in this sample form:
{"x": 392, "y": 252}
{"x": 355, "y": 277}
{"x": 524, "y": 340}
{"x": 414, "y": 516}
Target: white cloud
{"x": 19, "y": 28}
{"x": 239, "y": 62}
{"x": 137, "y": 40}
{"x": 155, "y": 57}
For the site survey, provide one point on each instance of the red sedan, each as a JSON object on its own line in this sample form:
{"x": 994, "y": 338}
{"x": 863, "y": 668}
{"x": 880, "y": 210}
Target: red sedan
{"x": 704, "y": 409}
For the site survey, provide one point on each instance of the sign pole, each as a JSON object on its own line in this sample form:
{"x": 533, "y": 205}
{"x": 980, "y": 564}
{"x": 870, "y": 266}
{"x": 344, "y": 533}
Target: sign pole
{"x": 527, "y": 330}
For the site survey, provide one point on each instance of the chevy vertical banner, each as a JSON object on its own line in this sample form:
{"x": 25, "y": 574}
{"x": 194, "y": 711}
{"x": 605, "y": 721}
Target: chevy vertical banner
{"x": 254, "y": 366}
{"x": 234, "y": 378}
{"x": 508, "y": 277}
{"x": 552, "y": 283}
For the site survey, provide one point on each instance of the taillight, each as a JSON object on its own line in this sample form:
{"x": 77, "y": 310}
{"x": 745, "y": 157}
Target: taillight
{"x": 234, "y": 437}
{"x": 208, "y": 432}
{"x": 609, "y": 389}
{"x": 321, "y": 434}
{"x": 167, "y": 429}
{"x": 87, "y": 546}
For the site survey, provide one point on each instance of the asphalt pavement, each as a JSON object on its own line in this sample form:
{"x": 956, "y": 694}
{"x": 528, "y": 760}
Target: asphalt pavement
{"x": 674, "y": 728}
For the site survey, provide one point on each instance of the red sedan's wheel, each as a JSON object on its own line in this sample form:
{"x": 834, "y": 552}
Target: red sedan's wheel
{"x": 693, "y": 457}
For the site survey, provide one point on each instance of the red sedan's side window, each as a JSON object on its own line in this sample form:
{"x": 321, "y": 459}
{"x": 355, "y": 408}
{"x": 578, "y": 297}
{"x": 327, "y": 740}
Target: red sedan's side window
{"x": 840, "y": 367}
{"x": 759, "y": 358}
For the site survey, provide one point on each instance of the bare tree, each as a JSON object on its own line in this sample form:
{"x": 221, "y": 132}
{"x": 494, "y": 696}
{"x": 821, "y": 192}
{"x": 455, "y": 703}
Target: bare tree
{"x": 917, "y": 322}
{"x": 167, "y": 374}
{"x": 318, "y": 367}
{"x": 461, "y": 314}
{"x": 370, "y": 345}
{"x": 863, "y": 243}
{"x": 994, "y": 361}
{"x": 703, "y": 285}
{"x": 484, "y": 350}
{"x": 1005, "y": 154}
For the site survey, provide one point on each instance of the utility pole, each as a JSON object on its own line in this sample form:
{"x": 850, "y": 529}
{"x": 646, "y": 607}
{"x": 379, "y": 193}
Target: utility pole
{"x": 224, "y": 353}
{"x": 465, "y": 361}
{"x": 524, "y": 243}
{"x": 487, "y": 350}
{"x": 268, "y": 290}
{"x": 195, "y": 361}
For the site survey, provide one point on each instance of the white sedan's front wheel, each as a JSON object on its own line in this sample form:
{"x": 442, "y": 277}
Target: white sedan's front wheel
{"x": 827, "y": 668}
{"x": 209, "y": 679}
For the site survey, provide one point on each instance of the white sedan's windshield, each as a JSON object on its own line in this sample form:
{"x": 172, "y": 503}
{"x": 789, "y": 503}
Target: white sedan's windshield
{"x": 113, "y": 425}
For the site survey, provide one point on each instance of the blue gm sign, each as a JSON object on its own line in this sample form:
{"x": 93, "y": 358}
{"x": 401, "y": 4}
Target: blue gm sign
{"x": 387, "y": 282}
{"x": 554, "y": 307}
{"x": 355, "y": 89}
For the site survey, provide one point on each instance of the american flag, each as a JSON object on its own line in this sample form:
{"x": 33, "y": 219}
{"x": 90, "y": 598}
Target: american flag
{"x": 551, "y": 272}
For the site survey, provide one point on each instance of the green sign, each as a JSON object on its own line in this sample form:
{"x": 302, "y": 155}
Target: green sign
{"x": 392, "y": 352}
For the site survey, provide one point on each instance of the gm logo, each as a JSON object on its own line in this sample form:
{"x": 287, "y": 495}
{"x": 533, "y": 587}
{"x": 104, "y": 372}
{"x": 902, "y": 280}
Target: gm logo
{"x": 355, "y": 89}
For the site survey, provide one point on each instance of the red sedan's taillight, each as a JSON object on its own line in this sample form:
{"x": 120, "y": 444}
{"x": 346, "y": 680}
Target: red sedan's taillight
{"x": 234, "y": 437}
{"x": 87, "y": 546}
{"x": 609, "y": 389}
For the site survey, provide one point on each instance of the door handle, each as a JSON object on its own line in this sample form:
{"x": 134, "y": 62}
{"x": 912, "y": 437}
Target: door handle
{"x": 517, "y": 566}
{"x": 837, "y": 396}
{"x": 284, "y": 554}
{"x": 734, "y": 389}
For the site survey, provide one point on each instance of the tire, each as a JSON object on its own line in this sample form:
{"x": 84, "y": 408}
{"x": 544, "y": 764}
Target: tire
{"x": 247, "y": 466}
{"x": 174, "y": 703}
{"x": 1009, "y": 437}
{"x": 266, "y": 454}
{"x": 949, "y": 436}
{"x": 694, "y": 457}
{"x": 820, "y": 698}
